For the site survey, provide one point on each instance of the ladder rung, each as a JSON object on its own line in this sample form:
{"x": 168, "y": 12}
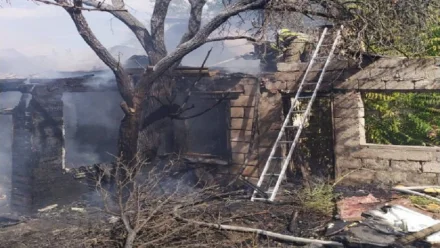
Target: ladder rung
{"x": 261, "y": 199}
{"x": 272, "y": 175}
{"x": 325, "y": 57}
{"x": 304, "y": 97}
{"x": 285, "y": 142}
{"x": 311, "y": 83}
{"x": 291, "y": 126}
{"x": 277, "y": 158}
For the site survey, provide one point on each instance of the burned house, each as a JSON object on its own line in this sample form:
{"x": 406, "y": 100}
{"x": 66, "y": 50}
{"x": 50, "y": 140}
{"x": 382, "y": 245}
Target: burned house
{"x": 62, "y": 123}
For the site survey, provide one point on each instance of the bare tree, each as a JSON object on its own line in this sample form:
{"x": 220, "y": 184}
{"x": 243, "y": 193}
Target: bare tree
{"x": 380, "y": 22}
{"x": 154, "y": 89}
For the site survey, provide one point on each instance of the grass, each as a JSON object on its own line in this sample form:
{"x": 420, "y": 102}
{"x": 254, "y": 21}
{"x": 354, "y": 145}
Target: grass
{"x": 421, "y": 201}
{"x": 319, "y": 198}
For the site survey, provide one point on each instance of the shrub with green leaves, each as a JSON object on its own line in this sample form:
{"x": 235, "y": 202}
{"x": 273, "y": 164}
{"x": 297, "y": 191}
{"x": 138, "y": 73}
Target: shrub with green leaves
{"x": 402, "y": 118}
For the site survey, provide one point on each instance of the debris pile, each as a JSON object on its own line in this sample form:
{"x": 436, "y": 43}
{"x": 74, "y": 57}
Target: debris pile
{"x": 223, "y": 217}
{"x": 406, "y": 217}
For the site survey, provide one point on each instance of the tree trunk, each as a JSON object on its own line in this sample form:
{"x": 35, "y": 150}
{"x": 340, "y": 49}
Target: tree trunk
{"x": 129, "y": 131}
{"x": 128, "y": 137}
{"x": 140, "y": 133}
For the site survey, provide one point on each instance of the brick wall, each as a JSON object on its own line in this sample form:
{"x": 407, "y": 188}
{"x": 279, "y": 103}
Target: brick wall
{"x": 243, "y": 127}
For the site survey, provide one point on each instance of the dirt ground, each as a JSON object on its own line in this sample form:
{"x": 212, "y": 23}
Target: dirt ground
{"x": 64, "y": 227}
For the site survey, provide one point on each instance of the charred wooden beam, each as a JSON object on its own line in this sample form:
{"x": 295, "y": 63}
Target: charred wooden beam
{"x": 181, "y": 71}
{"x": 197, "y": 158}
{"x": 100, "y": 82}
{"x": 227, "y": 95}
{"x": 6, "y": 111}
{"x": 87, "y": 83}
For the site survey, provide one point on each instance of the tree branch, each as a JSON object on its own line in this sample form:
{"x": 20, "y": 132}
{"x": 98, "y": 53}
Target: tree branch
{"x": 70, "y": 6}
{"x": 290, "y": 8}
{"x": 189, "y": 91}
{"x": 137, "y": 27}
{"x": 199, "y": 39}
{"x": 158, "y": 29}
{"x": 179, "y": 117}
{"x": 194, "y": 23}
{"x": 195, "y": 19}
{"x": 255, "y": 231}
{"x": 125, "y": 84}
{"x": 241, "y": 37}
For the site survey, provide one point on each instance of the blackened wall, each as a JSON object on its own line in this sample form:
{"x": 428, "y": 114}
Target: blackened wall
{"x": 91, "y": 127}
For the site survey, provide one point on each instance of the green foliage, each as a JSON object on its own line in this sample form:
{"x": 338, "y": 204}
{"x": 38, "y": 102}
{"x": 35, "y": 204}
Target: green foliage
{"x": 319, "y": 198}
{"x": 402, "y": 118}
{"x": 433, "y": 43}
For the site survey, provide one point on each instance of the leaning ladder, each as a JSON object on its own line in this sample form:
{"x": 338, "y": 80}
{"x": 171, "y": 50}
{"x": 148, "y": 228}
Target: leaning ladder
{"x": 266, "y": 179}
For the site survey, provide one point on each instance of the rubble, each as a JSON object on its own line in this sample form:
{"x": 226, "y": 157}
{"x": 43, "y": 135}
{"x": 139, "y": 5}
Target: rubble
{"x": 351, "y": 208}
{"x": 367, "y": 221}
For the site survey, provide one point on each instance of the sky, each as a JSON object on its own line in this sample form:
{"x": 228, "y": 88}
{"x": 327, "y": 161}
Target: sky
{"x": 38, "y": 29}
{"x": 45, "y": 30}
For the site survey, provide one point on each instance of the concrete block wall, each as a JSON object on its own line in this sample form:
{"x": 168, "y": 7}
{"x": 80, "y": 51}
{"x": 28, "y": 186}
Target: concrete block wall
{"x": 390, "y": 74}
{"x": 361, "y": 163}
{"x": 393, "y": 74}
